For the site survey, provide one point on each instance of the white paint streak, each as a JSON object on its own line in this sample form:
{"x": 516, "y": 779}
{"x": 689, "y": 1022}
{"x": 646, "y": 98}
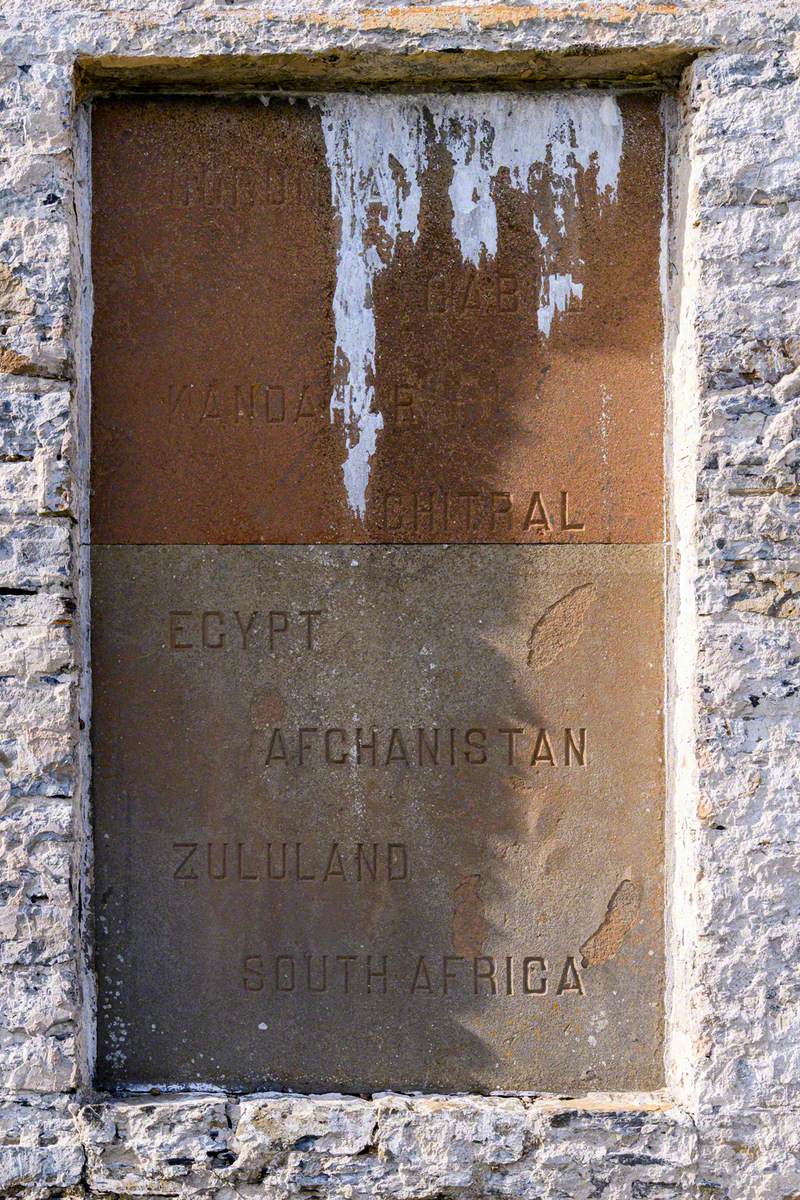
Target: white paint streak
{"x": 536, "y": 139}
{"x": 555, "y": 295}
{"x": 378, "y": 148}
{"x": 374, "y": 150}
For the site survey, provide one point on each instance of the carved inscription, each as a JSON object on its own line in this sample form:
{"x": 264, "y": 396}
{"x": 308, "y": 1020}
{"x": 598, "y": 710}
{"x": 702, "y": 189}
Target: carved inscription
{"x": 309, "y": 745}
{"x": 310, "y": 335}
{"x": 216, "y": 629}
{"x": 463, "y": 291}
{"x": 446, "y": 398}
{"x": 291, "y": 862}
{"x": 269, "y": 184}
{"x": 248, "y": 405}
{"x": 417, "y": 975}
{"x": 476, "y": 513}
{"x": 349, "y": 809}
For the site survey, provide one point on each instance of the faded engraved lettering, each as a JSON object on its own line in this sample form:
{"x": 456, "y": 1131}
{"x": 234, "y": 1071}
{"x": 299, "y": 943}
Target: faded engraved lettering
{"x": 467, "y": 512}
{"x": 268, "y": 405}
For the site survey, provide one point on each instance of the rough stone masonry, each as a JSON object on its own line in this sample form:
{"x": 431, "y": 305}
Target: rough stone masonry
{"x": 726, "y": 1125}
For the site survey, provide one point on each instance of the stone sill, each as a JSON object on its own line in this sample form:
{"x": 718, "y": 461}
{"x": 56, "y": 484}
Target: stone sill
{"x": 392, "y": 1145}
{"x": 623, "y": 1103}
{"x": 337, "y": 69}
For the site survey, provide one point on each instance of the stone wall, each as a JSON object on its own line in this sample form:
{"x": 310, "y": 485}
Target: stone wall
{"x": 728, "y": 1124}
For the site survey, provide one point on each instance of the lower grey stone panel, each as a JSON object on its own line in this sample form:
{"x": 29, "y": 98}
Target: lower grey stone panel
{"x": 379, "y": 816}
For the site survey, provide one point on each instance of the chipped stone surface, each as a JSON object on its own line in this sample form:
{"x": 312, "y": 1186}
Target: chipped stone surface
{"x": 37, "y": 1041}
{"x": 40, "y": 1156}
{"x": 281, "y": 1147}
{"x": 732, "y": 269}
{"x": 621, "y": 914}
{"x": 560, "y": 626}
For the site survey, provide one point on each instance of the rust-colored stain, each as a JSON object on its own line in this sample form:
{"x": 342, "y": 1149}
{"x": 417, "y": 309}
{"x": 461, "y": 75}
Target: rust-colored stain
{"x": 470, "y": 928}
{"x": 213, "y": 257}
{"x": 621, "y": 914}
{"x": 428, "y": 18}
{"x": 560, "y": 626}
{"x": 267, "y": 708}
{"x": 14, "y": 363}
{"x": 215, "y": 359}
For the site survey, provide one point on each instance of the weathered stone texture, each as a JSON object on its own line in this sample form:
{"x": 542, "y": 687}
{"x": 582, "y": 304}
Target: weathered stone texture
{"x": 40, "y": 1157}
{"x": 393, "y": 1146}
{"x": 35, "y": 635}
{"x": 37, "y": 1043}
{"x": 734, "y": 1009}
{"x": 748, "y": 713}
{"x": 35, "y": 195}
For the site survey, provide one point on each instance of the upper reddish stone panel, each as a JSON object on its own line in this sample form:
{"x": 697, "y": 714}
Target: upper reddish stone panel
{"x": 378, "y": 319}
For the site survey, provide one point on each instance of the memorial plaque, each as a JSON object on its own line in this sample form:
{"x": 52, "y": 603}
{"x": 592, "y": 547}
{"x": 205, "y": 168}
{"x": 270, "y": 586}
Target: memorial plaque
{"x": 384, "y": 816}
{"x": 378, "y": 569}
{"x": 380, "y": 319}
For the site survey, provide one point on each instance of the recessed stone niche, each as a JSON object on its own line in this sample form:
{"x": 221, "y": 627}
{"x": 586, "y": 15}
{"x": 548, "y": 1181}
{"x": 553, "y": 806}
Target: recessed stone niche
{"x": 378, "y": 575}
